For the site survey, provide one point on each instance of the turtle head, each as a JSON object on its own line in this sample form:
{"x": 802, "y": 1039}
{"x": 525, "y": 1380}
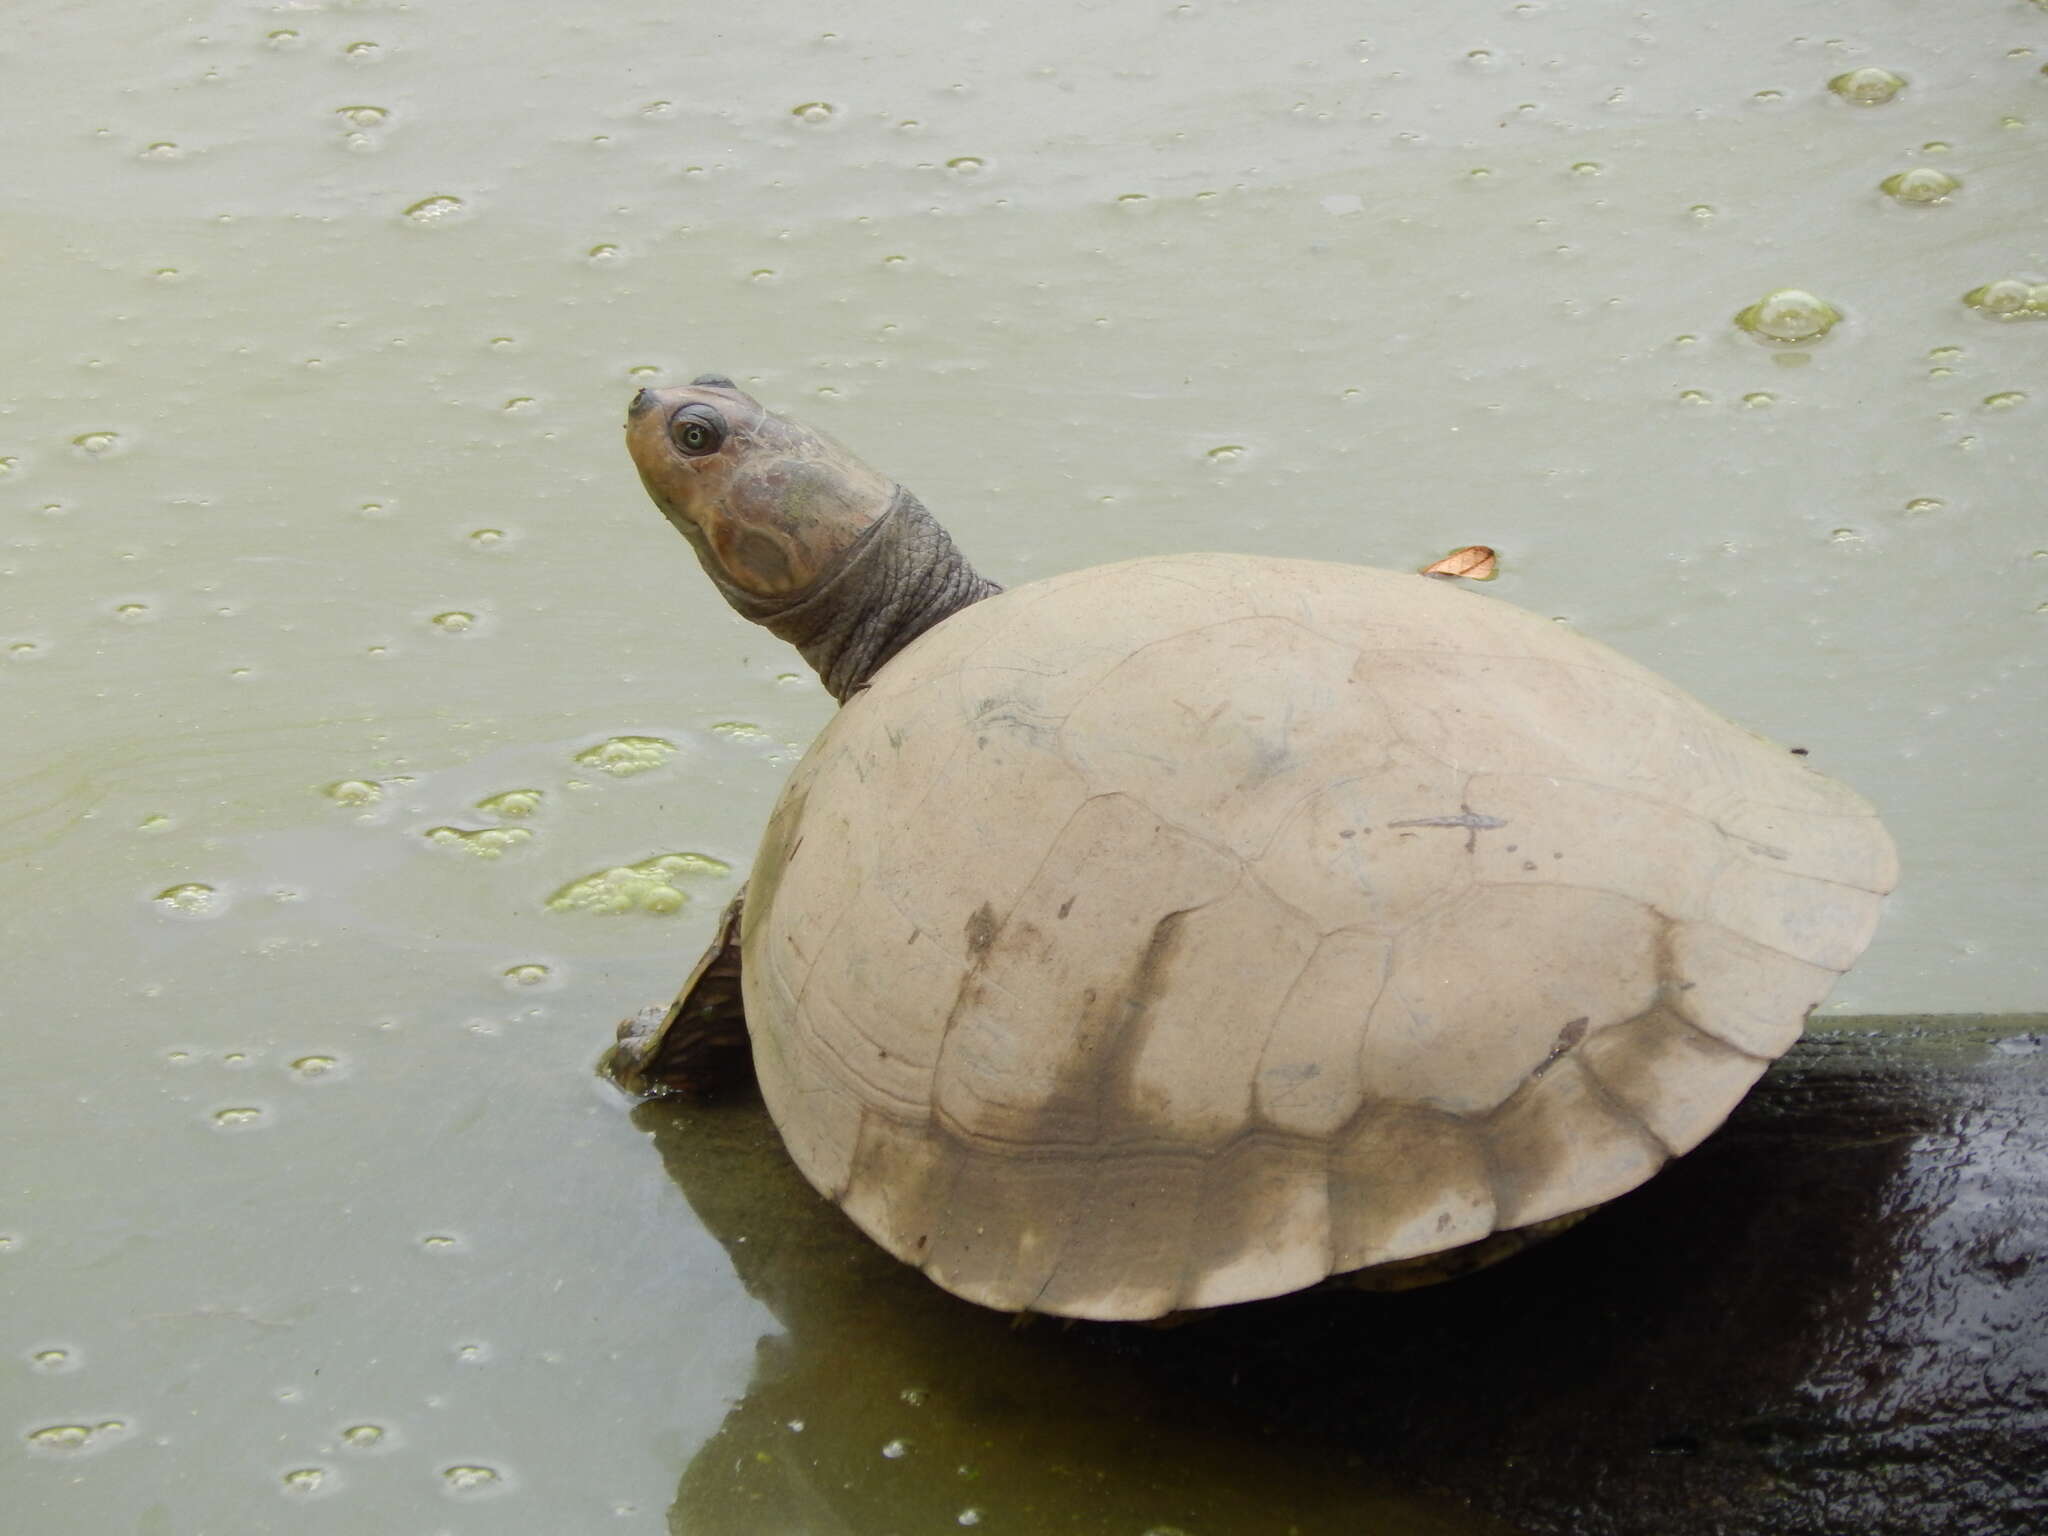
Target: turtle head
{"x": 769, "y": 505}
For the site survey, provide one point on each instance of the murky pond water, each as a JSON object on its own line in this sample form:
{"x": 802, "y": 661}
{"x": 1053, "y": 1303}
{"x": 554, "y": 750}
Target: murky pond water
{"x": 371, "y": 746}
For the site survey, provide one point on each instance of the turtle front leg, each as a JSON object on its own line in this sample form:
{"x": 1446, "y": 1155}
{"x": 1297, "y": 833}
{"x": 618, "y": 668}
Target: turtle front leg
{"x": 697, "y": 1045}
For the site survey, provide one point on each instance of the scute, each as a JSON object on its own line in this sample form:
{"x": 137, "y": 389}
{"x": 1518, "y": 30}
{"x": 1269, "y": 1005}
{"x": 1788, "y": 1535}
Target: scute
{"x": 1563, "y": 1143}
{"x": 1178, "y": 932}
{"x": 1309, "y": 1077}
{"x": 1264, "y": 1227}
{"x": 1407, "y": 1180}
{"x": 1232, "y": 760}
{"x": 1481, "y": 994}
{"x": 1192, "y": 1058}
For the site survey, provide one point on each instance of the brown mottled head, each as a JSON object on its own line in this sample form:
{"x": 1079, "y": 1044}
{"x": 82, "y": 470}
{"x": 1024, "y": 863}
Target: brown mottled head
{"x": 769, "y": 506}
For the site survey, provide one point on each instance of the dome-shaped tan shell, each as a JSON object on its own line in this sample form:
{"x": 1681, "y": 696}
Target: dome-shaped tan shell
{"x": 1182, "y": 931}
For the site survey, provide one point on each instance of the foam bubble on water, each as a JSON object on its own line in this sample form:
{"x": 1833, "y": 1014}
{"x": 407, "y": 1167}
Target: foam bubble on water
{"x": 354, "y": 792}
{"x": 305, "y": 1482}
{"x": 436, "y": 209}
{"x": 1789, "y": 315}
{"x": 2010, "y": 298}
{"x": 99, "y": 445}
{"x": 814, "y": 112}
{"x": 454, "y": 621}
{"x": 1923, "y": 185}
{"x": 190, "y": 898}
{"x": 1867, "y": 87}
{"x": 470, "y": 1479}
{"x": 76, "y": 1439}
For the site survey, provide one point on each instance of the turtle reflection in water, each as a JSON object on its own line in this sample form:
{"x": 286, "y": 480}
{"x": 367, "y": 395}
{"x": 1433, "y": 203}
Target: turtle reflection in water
{"x": 1184, "y": 931}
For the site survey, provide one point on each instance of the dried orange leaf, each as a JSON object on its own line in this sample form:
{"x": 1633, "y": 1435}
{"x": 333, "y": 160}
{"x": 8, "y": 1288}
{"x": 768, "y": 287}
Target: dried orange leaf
{"x": 1475, "y": 562}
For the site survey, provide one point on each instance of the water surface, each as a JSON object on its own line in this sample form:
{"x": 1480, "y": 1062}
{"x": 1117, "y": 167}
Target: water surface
{"x": 333, "y": 628}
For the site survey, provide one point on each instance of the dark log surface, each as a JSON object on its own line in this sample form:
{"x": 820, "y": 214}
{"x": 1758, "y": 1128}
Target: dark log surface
{"x": 1831, "y": 1318}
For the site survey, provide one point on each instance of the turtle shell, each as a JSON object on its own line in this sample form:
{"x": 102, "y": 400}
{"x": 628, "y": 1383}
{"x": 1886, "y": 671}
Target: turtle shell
{"x": 1182, "y": 931}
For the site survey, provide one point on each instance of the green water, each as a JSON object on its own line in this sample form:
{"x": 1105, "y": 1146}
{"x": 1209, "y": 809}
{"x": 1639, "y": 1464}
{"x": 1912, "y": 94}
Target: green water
{"x": 325, "y": 585}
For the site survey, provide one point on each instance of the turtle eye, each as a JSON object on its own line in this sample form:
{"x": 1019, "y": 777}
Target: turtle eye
{"x": 697, "y": 430}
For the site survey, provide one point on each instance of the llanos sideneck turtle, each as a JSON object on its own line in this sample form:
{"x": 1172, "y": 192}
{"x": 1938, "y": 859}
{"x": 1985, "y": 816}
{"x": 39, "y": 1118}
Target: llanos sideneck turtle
{"x": 1183, "y": 931}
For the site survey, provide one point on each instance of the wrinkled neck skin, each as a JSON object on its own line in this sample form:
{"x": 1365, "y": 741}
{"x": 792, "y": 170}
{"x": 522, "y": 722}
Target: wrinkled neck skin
{"x": 899, "y": 578}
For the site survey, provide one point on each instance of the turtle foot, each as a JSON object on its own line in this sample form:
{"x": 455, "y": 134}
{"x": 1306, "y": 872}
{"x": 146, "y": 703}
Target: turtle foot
{"x": 697, "y": 1045}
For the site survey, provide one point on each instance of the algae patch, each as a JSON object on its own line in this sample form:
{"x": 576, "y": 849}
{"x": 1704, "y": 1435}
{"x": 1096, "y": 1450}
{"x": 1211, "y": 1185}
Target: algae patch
{"x": 484, "y": 842}
{"x": 652, "y": 885}
{"x": 622, "y": 756}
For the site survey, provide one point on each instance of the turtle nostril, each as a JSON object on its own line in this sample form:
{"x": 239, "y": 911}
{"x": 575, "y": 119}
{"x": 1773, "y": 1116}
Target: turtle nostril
{"x": 641, "y": 402}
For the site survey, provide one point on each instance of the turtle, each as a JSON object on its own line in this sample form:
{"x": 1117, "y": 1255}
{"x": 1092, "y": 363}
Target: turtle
{"x": 1190, "y": 930}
